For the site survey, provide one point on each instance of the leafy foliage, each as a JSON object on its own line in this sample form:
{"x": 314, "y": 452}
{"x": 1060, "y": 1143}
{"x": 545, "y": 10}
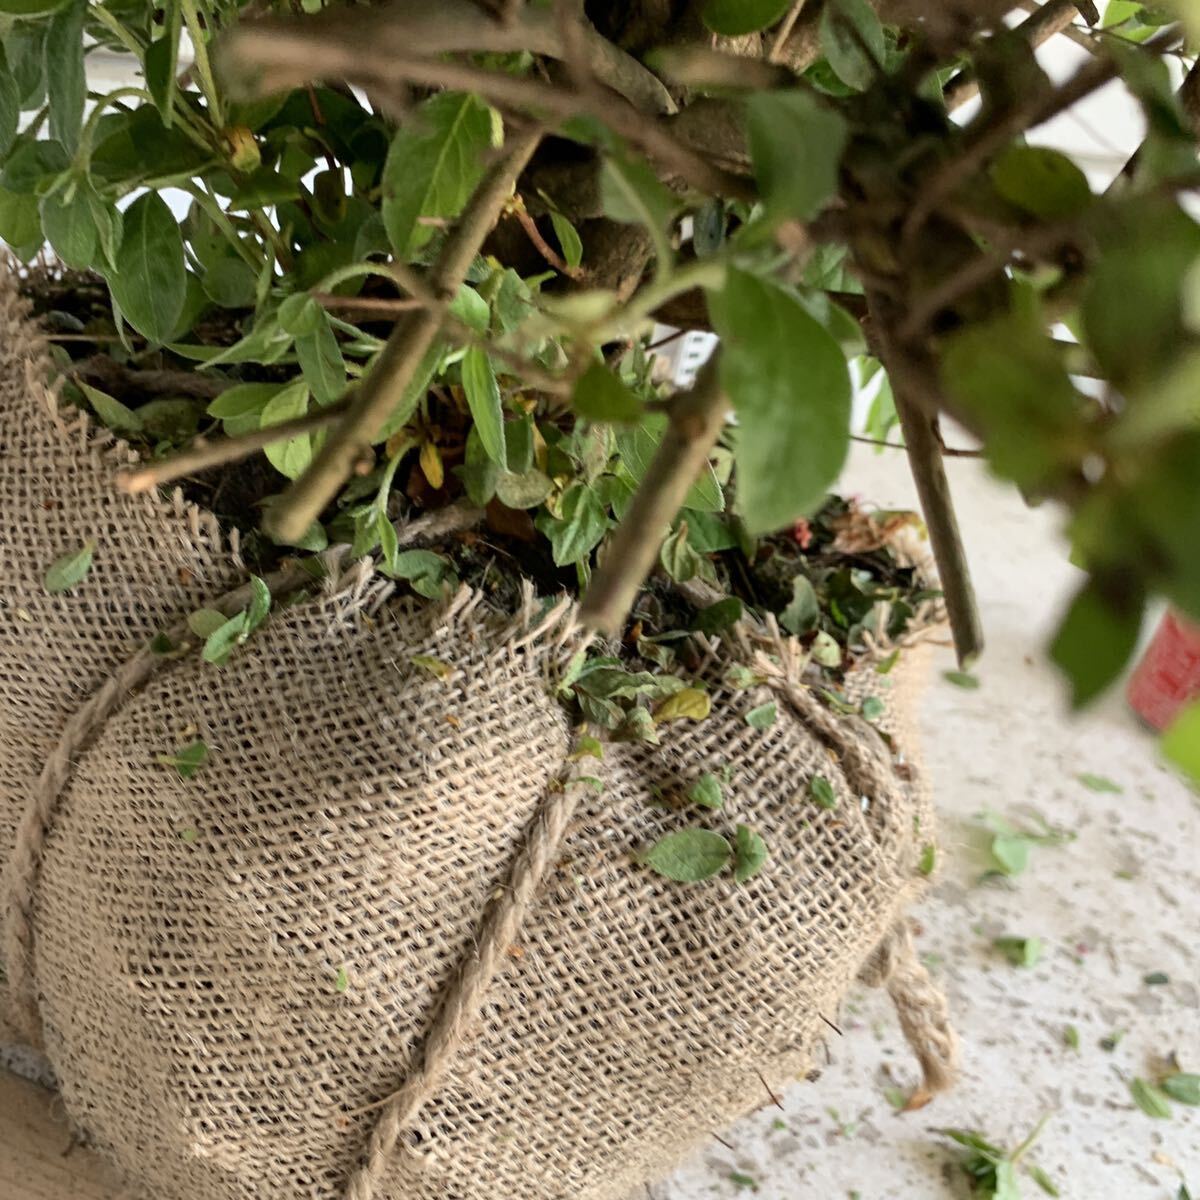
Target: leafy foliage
{"x": 843, "y": 205}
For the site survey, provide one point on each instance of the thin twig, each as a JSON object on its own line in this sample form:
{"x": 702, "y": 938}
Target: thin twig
{"x": 1189, "y": 99}
{"x": 397, "y": 363}
{"x": 1055, "y": 16}
{"x": 774, "y": 1098}
{"x": 831, "y": 1025}
{"x": 696, "y": 419}
{"x": 204, "y": 454}
{"x": 368, "y": 306}
{"x": 728, "y": 1146}
{"x": 281, "y": 55}
{"x": 986, "y": 135}
{"x": 784, "y": 31}
{"x": 542, "y": 246}
{"x": 947, "y": 451}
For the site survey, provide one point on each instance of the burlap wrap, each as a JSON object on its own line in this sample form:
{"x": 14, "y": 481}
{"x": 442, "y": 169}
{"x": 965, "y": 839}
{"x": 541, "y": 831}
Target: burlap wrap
{"x": 390, "y": 941}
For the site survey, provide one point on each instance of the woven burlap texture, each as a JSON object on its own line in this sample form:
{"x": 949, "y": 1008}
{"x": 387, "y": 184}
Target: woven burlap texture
{"x": 387, "y": 942}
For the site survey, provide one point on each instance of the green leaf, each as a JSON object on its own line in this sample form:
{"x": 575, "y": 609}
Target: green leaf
{"x": 872, "y": 708}
{"x": 762, "y": 716}
{"x": 796, "y": 146}
{"x": 719, "y": 616}
{"x": 341, "y": 981}
{"x": 790, "y": 387}
{"x": 689, "y": 855}
{"x": 679, "y": 560}
{"x": 483, "y": 397}
{"x": 1181, "y": 1086}
{"x": 321, "y": 361}
{"x": 569, "y": 240}
{"x": 241, "y": 407}
{"x": 518, "y": 445}
{"x": 1131, "y": 306}
{"x": 20, "y": 223}
{"x": 10, "y": 105}
{"x": 690, "y": 703}
{"x": 600, "y": 395}
{"x": 1042, "y": 1179}
{"x": 803, "y": 609}
{"x": 149, "y": 282}
{"x": 927, "y": 863}
{"x": 734, "y": 18}
{"x": 438, "y": 668}
{"x": 853, "y": 41}
{"x": 112, "y": 412}
{"x": 229, "y": 282}
{"x": 479, "y": 473}
{"x": 67, "y": 88}
{"x": 260, "y": 603}
{"x": 433, "y": 166}
{"x": 299, "y": 315}
{"x": 962, "y": 679}
{"x": 1096, "y": 637}
{"x": 291, "y": 456}
{"x": 1021, "y": 952}
{"x": 1009, "y": 377}
{"x": 825, "y": 650}
{"x": 706, "y": 791}
{"x": 1098, "y": 783}
{"x": 30, "y": 8}
{"x": 1071, "y": 1037}
{"x": 630, "y": 191}
{"x": 1010, "y": 853}
{"x": 637, "y": 449}
{"x": 427, "y": 573}
{"x": 750, "y": 852}
{"x": 1150, "y": 1099}
{"x": 1181, "y": 742}
{"x": 70, "y": 227}
{"x": 220, "y": 644}
{"x": 188, "y": 760}
{"x": 1007, "y": 1187}
{"x": 584, "y": 522}
{"x": 821, "y": 791}
{"x": 161, "y": 64}
{"x": 1041, "y": 181}
{"x": 204, "y": 622}
{"x": 70, "y": 570}
{"x": 471, "y": 309}
{"x": 523, "y": 491}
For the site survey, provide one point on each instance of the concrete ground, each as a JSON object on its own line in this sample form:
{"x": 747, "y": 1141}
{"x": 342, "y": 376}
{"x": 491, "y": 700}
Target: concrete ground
{"x": 1113, "y": 906}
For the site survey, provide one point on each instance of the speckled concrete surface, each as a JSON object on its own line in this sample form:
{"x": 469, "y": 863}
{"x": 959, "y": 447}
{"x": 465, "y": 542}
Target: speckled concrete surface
{"x": 1116, "y": 904}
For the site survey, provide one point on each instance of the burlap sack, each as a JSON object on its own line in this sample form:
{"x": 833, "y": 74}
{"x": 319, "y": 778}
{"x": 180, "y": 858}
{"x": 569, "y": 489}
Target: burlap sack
{"x": 392, "y": 940}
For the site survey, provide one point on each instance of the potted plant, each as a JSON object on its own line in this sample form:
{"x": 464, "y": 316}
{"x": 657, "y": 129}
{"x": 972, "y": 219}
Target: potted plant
{"x": 415, "y": 255}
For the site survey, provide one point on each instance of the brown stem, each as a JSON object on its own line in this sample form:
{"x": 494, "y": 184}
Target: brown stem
{"x": 696, "y": 419}
{"x": 924, "y": 446}
{"x": 203, "y": 454}
{"x": 396, "y": 365}
{"x": 368, "y": 306}
{"x": 543, "y": 247}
